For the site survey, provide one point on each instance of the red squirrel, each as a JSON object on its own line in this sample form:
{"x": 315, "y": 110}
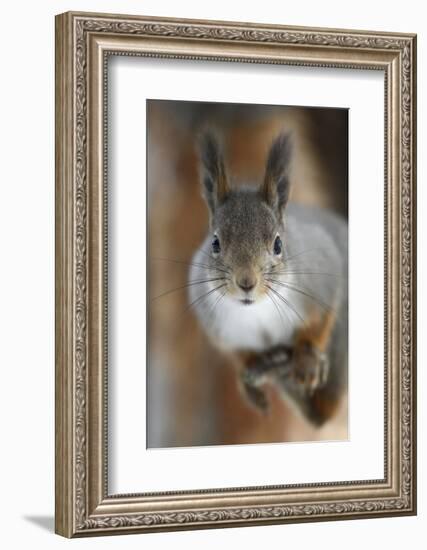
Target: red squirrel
{"x": 269, "y": 284}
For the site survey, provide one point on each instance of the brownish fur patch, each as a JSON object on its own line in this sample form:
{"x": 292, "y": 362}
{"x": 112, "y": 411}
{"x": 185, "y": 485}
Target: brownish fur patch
{"x": 247, "y": 358}
{"x": 324, "y": 406}
{"x": 317, "y": 332}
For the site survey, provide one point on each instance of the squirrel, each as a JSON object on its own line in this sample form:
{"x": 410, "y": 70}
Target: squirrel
{"x": 269, "y": 284}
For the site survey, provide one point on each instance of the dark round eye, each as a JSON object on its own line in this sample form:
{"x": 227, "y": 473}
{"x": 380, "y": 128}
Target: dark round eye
{"x": 277, "y": 245}
{"x": 216, "y": 247}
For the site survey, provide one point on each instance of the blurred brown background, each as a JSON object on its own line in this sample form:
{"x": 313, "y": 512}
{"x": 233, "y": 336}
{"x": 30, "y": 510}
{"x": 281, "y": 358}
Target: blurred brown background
{"x": 193, "y": 396}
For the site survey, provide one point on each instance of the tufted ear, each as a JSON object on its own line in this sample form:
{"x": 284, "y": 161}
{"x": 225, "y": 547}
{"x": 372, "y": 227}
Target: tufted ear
{"x": 275, "y": 187}
{"x": 214, "y": 176}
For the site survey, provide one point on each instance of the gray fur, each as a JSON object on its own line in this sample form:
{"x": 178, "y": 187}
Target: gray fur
{"x": 214, "y": 176}
{"x": 276, "y": 185}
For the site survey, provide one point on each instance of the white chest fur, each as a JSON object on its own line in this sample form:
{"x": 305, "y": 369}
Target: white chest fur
{"x": 232, "y": 325}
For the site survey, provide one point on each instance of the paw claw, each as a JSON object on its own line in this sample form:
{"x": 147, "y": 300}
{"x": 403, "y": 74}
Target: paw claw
{"x": 257, "y": 398}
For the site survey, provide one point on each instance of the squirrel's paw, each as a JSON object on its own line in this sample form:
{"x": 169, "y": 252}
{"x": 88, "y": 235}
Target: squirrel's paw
{"x": 264, "y": 364}
{"x": 311, "y": 367}
{"x": 256, "y": 397}
{"x": 259, "y": 369}
{"x": 254, "y": 375}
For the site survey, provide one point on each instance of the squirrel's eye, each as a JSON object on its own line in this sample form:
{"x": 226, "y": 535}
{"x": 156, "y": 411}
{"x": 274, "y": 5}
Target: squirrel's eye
{"x": 216, "y": 247}
{"x": 277, "y": 245}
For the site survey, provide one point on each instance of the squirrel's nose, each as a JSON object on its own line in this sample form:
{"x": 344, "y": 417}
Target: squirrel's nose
{"x": 246, "y": 283}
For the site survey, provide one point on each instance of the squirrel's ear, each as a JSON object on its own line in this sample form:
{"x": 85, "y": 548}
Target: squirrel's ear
{"x": 275, "y": 187}
{"x": 214, "y": 176}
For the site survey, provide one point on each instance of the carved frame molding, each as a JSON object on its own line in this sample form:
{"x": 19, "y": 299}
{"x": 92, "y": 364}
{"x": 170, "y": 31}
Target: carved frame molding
{"x": 83, "y": 43}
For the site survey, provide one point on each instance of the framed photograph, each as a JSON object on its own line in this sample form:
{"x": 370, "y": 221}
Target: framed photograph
{"x": 235, "y": 274}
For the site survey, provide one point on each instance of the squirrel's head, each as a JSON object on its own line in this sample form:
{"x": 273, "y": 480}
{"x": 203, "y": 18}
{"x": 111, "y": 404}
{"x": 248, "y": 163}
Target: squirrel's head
{"x": 246, "y": 223}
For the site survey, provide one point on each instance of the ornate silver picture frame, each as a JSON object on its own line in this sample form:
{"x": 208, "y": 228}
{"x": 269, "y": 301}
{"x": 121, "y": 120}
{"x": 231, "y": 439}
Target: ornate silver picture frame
{"x": 84, "y": 42}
